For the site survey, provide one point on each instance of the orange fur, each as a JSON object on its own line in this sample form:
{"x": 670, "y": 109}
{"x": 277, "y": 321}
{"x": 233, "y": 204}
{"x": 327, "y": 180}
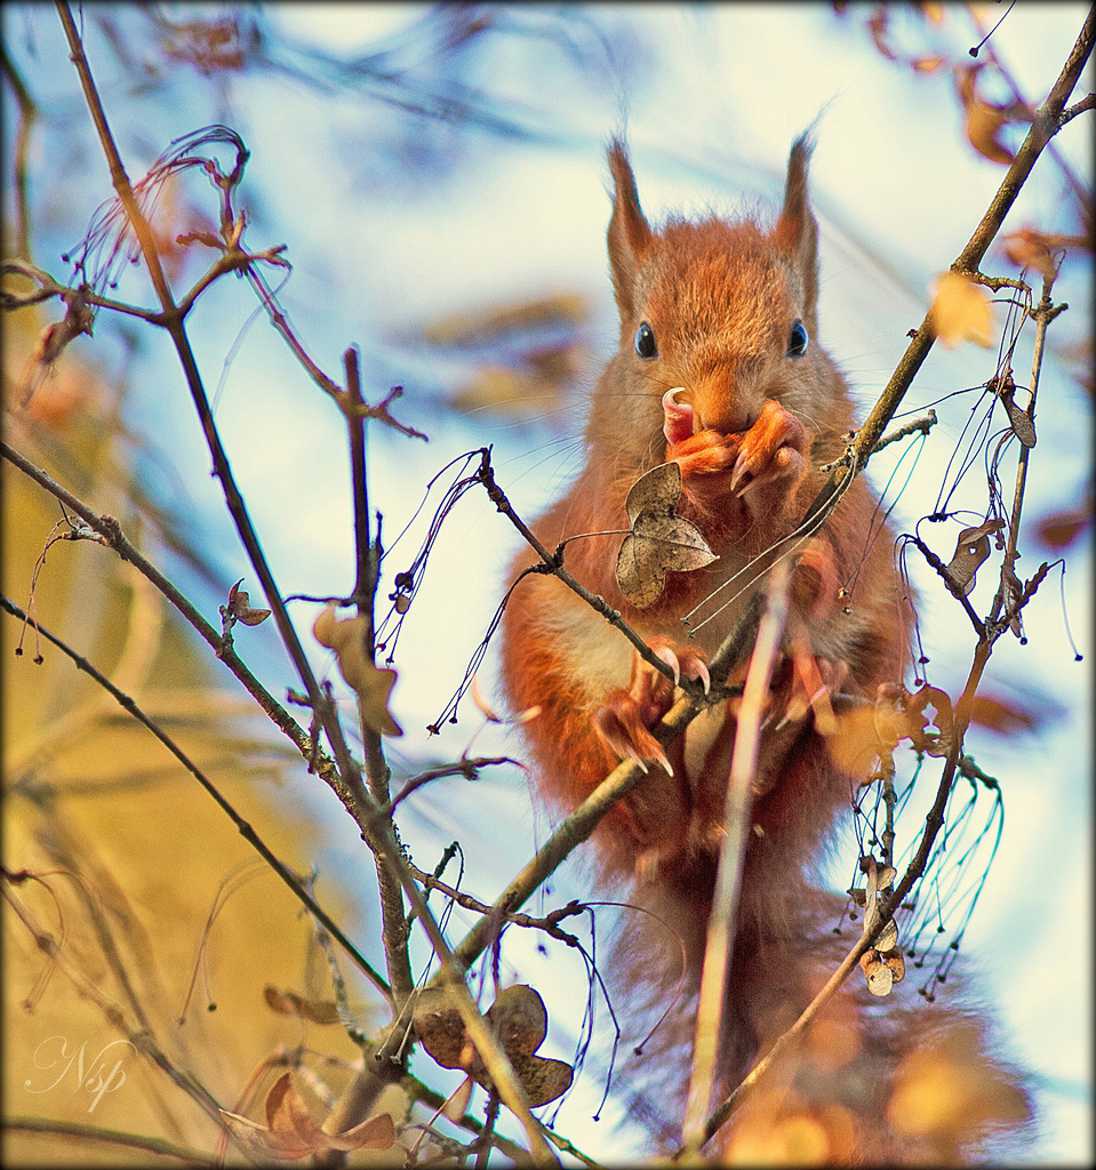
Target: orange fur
{"x": 721, "y": 298}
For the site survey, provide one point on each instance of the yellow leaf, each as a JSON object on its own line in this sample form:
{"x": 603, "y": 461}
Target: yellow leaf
{"x": 961, "y": 311}
{"x": 374, "y": 684}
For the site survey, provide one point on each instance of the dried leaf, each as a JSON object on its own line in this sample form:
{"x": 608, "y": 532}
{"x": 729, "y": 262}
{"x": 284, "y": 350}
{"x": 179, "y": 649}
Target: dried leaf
{"x": 657, "y": 490}
{"x": 260, "y": 1143}
{"x": 1060, "y": 529}
{"x": 877, "y": 27}
{"x": 514, "y": 393}
{"x": 292, "y": 1132}
{"x": 961, "y": 311}
{"x": 985, "y": 120}
{"x": 484, "y": 325}
{"x": 376, "y": 1133}
{"x": 971, "y": 551}
{"x": 289, "y": 1003}
{"x": 521, "y": 1022}
{"x": 888, "y": 937}
{"x": 1030, "y": 248}
{"x": 879, "y": 977}
{"x": 542, "y": 1078}
{"x": 1001, "y": 716}
{"x": 374, "y": 684}
{"x": 239, "y": 605}
{"x": 660, "y": 541}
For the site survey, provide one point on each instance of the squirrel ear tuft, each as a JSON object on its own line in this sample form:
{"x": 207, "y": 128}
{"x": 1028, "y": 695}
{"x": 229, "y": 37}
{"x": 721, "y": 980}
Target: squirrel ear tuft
{"x": 629, "y": 233}
{"x": 796, "y": 230}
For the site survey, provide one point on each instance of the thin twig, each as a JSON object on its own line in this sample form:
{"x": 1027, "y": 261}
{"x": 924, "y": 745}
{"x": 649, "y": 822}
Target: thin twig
{"x": 719, "y": 947}
{"x": 933, "y": 823}
{"x": 953, "y": 587}
{"x": 549, "y": 923}
{"x": 349, "y": 786}
{"x": 89, "y": 989}
{"x": 243, "y": 827}
{"x": 577, "y": 827}
{"x": 554, "y": 564}
{"x": 114, "y": 538}
{"x": 1080, "y": 192}
{"x": 469, "y": 768}
{"x": 988, "y": 631}
{"x": 1086, "y": 103}
{"x": 394, "y": 927}
{"x": 1043, "y": 317}
{"x": 114, "y": 1137}
{"x": 28, "y": 113}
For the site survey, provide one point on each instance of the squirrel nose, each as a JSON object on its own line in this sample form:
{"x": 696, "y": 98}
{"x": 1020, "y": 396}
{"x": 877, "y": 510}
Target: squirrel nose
{"x": 718, "y": 409}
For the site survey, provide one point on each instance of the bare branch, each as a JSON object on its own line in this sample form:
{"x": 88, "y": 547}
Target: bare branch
{"x": 719, "y": 947}
{"x": 1086, "y": 103}
{"x": 28, "y": 114}
{"x": 114, "y": 1137}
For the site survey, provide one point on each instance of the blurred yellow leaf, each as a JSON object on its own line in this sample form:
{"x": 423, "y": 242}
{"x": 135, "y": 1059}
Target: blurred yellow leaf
{"x": 961, "y": 311}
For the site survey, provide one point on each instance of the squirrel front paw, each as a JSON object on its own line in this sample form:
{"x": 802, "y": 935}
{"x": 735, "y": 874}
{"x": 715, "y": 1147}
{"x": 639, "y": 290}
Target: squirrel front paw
{"x": 772, "y": 460}
{"x": 761, "y": 466}
{"x": 625, "y": 718}
{"x": 658, "y": 808}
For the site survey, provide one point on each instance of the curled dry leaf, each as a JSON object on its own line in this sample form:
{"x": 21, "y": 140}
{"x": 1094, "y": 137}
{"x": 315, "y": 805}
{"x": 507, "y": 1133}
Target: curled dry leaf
{"x": 985, "y": 120}
{"x": 997, "y": 714}
{"x": 289, "y": 1003}
{"x": 374, "y": 684}
{"x": 291, "y": 1131}
{"x": 520, "y": 1021}
{"x": 1021, "y": 420}
{"x": 882, "y": 970}
{"x": 961, "y": 311}
{"x": 971, "y": 551}
{"x": 1060, "y": 529}
{"x": 660, "y": 541}
{"x": 239, "y": 606}
{"x": 1030, "y": 248}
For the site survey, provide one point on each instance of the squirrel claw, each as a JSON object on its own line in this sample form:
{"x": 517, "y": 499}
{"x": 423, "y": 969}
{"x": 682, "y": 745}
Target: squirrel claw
{"x": 620, "y": 727}
{"x": 670, "y": 658}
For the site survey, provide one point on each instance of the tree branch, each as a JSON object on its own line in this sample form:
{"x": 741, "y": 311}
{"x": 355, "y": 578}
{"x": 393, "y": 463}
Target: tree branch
{"x": 719, "y": 945}
{"x": 114, "y": 1137}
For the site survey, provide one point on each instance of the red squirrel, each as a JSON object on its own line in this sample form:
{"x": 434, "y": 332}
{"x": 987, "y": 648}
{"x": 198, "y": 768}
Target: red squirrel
{"x": 719, "y": 370}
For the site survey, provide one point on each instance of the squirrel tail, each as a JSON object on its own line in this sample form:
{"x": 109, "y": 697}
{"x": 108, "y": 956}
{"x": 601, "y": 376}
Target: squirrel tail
{"x": 884, "y": 1081}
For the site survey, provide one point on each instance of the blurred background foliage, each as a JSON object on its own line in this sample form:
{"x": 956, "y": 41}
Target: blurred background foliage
{"x": 421, "y": 162}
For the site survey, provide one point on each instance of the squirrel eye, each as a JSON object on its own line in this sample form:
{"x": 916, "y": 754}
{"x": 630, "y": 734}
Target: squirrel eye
{"x": 645, "y": 341}
{"x": 797, "y": 342}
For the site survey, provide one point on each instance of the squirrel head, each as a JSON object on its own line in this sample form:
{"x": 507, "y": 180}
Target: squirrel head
{"x": 726, "y": 309}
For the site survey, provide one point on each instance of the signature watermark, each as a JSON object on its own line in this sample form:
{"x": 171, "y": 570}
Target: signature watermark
{"x": 80, "y": 1070}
